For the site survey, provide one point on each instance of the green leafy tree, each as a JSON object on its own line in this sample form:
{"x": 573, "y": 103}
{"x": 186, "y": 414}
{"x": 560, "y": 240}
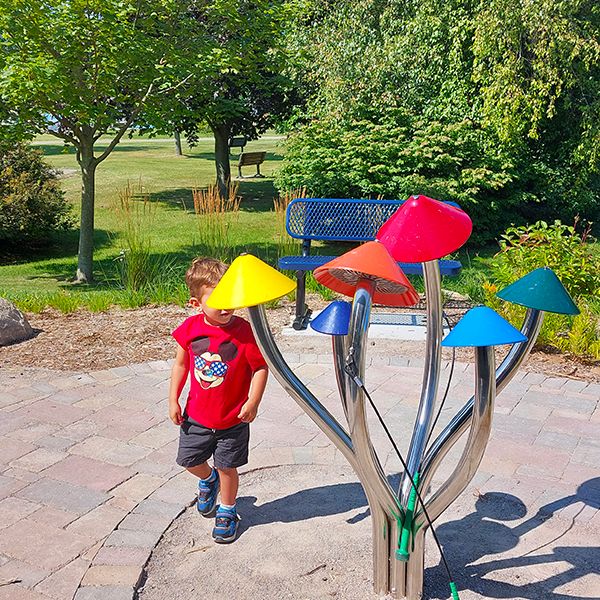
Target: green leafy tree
{"x": 81, "y": 69}
{"x": 243, "y": 91}
{"x": 492, "y": 104}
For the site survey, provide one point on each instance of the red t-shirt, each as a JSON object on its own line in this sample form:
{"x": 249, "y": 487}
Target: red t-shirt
{"x": 222, "y": 362}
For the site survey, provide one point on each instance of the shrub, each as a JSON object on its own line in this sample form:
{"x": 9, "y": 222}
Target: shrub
{"x": 570, "y": 255}
{"x": 32, "y": 204}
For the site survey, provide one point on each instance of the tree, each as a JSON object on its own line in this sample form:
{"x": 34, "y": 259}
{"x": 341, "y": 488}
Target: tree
{"x": 242, "y": 92}
{"x": 493, "y": 104}
{"x": 81, "y": 69}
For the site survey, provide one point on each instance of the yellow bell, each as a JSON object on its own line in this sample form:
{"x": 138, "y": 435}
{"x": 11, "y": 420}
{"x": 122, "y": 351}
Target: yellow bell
{"x": 249, "y": 281}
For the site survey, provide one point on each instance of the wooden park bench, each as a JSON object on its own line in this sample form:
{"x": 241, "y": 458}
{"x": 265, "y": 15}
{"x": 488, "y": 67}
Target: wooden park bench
{"x": 337, "y": 220}
{"x": 237, "y": 142}
{"x": 251, "y": 158}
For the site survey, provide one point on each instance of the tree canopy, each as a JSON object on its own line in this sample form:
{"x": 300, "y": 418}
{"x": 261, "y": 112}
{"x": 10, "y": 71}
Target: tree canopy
{"x": 492, "y": 104}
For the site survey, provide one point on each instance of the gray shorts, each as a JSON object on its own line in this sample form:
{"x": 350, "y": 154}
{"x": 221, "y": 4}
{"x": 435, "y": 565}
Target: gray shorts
{"x": 198, "y": 443}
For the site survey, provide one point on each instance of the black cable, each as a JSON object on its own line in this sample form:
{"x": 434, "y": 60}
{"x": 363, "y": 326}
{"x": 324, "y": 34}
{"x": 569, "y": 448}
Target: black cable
{"x": 439, "y": 412}
{"x": 352, "y": 372}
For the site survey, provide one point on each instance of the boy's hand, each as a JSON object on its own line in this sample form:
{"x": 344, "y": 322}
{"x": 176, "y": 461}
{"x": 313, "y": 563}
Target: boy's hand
{"x": 175, "y": 413}
{"x": 248, "y": 411}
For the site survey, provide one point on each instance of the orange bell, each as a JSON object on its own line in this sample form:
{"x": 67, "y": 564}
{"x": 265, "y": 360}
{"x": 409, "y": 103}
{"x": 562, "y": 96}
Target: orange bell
{"x": 369, "y": 262}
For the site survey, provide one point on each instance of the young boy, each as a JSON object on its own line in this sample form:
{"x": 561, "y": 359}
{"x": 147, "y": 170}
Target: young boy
{"x": 228, "y": 376}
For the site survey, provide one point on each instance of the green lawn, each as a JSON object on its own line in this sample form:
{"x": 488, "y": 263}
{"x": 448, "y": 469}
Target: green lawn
{"x": 39, "y": 278}
{"x": 168, "y": 181}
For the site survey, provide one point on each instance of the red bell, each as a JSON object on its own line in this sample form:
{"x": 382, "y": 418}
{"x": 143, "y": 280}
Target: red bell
{"x": 423, "y": 229}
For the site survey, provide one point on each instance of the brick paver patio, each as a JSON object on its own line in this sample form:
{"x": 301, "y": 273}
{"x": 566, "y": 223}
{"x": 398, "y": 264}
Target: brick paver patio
{"x": 88, "y": 482}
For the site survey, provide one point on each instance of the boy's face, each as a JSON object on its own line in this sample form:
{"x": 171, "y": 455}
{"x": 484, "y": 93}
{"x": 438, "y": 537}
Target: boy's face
{"x": 213, "y": 316}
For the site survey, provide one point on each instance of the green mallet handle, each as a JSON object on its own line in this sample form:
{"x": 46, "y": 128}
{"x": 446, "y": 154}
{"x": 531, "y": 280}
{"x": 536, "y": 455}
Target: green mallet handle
{"x": 402, "y": 552}
{"x": 454, "y": 591}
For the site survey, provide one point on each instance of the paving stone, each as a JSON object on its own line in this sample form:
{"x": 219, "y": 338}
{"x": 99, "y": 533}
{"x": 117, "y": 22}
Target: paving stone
{"x": 104, "y": 592}
{"x": 63, "y": 495}
{"x": 151, "y": 506}
{"x": 80, "y": 430}
{"x": 38, "y": 460}
{"x": 592, "y": 389}
{"x": 179, "y": 489}
{"x": 571, "y": 426}
{"x": 43, "y": 546}
{"x": 157, "y": 436}
{"x": 53, "y": 516}
{"x": 53, "y": 442}
{"x": 21, "y": 474}
{"x": 574, "y": 385}
{"x": 97, "y": 401}
{"x": 13, "y": 510}
{"x": 111, "y": 451}
{"x": 136, "y": 539}
{"x": 34, "y": 432}
{"x": 122, "y": 556}
{"x": 64, "y": 583}
{"x": 88, "y": 472}
{"x": 11, "y": 449}
{"x": 140, "y": 522}
{"x": 586, "y": 455}
{"x": 555, "y": 439}
{"x": 529, "y": 410}
{"x": 18, "y": 592}
{"x": 28, "y": 574}
{"x": 53, "y": 412}
{"x": 97, "y": 523}
{"x": 137, "y": 488}
{"x": 125, "y": 575}
{"x": 10, "y": 485}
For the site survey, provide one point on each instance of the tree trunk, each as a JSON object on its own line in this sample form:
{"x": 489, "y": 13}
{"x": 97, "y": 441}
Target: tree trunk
{"x": 177, "y": 137}
{"x": 85, "y": 256}
{"x": 221, "y": 133}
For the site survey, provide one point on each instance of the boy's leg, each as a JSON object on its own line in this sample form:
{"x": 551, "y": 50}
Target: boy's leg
{"x": 202, "y": 471}
{"x": 229, "y": 485}
{"x": 231, "y": 452}
{"x": 196, "y": 445}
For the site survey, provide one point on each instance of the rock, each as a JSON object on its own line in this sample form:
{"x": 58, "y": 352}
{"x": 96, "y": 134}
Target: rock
{"x": 14, "y": 327}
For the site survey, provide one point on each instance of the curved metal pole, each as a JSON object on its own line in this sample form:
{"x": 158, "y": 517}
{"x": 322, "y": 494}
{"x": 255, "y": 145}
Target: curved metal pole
{"x": 479, "y": 434}
{"x": 385, "y": 525}
{"x": 295, "y": 388}
{"x": 431, "y": 376}
{"x": 460, "y": 422}
{"x": 485, "y": 393}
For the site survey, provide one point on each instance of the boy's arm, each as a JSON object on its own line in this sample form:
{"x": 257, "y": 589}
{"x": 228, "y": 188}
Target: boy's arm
{"x": 257, "y": 389}
{"x": 179, "y": 374}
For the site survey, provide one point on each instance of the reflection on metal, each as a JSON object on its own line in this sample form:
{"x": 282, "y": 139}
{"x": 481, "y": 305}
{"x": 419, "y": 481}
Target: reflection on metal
{"x": 401, "y": 579}
{"x": 431, "y": 375}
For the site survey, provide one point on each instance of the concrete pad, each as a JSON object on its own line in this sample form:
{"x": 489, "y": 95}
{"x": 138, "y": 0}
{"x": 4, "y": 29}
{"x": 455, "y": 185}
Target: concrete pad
{"x": 306, "y": 534}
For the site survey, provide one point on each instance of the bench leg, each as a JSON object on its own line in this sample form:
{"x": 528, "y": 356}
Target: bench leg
{"x": 302, "y": 311}
{"x": 258, "y": 173}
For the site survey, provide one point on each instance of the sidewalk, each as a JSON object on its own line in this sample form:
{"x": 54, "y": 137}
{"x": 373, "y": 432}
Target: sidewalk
{"x": 88, "y": 482}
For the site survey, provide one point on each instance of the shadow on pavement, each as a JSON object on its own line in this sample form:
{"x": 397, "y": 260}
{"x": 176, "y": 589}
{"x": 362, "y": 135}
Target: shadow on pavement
{"x": 483, "y": 533}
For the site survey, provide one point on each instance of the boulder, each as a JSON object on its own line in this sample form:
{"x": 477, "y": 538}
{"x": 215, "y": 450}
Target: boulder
{"x": 14, "y": 327}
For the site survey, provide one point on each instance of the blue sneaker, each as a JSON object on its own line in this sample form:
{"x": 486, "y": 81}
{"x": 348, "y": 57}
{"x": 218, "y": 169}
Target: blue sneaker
{"x": 226, "y": 525}
{"x": 207, "y": 495}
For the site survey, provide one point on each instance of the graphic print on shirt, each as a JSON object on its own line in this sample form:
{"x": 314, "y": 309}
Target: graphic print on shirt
{"x": 211, "y": 368}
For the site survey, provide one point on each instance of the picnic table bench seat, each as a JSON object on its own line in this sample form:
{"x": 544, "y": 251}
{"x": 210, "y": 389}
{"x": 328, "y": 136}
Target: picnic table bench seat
{"x": 338, "y": 220}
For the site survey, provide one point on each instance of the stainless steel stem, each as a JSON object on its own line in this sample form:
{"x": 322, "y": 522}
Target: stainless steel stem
{"x": 479, "y": 434}
{"x": 387, "y": 573}
{"x": 295, "y": 388}
{"x": 431, "y": 376}
{"x": 460, "y": 422}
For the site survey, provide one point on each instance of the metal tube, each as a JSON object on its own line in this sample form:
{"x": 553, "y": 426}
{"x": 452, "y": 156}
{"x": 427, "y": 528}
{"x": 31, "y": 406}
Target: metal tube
{"x": 504, "y": 374}
{"x": 294, "y": 387}
{"x": 384, "y": 502}
{"x": 431, "y": 375}
{"x": 415, "y": 568}
{"x": 479, "y": 434}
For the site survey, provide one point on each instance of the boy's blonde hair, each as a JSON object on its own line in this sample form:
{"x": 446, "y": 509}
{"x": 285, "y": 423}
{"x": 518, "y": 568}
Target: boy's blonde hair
{"x": 204, "y": 272}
